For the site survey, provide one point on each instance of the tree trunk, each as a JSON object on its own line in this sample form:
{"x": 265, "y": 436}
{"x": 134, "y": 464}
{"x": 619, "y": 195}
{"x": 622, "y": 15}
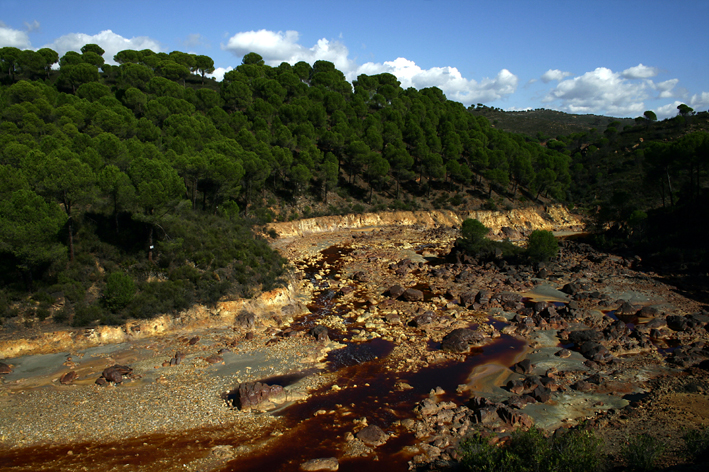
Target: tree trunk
{"x": 71, "y": 240}
{"x": 150, "y": 243}
{"x": 669, "y": 188}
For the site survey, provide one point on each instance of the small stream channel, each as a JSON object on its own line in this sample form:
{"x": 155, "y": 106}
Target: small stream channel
{"x": 366, "y": 386}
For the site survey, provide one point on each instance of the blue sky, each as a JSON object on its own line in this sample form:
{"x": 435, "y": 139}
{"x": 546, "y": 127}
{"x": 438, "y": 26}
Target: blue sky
{"x": 615, "y": 58}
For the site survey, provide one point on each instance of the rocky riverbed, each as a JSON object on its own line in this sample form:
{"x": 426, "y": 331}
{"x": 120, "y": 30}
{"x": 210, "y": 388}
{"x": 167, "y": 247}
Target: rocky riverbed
{"x": 389, "y": 351}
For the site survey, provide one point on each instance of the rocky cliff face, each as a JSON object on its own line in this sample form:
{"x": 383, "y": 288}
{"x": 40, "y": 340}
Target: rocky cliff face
{"x": 523, "y": 221}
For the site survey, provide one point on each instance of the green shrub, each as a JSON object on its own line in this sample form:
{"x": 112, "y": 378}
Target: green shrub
{"x": 530, "y": 451}
{"x": 42, "y": 311}
{"x": 474, "y": 231}
{"x": 74, "y": 291}
{"x": 480, "y": 456}
{"x": 577, "y": 450}
{"x": 642, "y": 452}
{"x": 84, "y": 315}
{"x": 542, "y": 246}
{"x": 119, "y": 290}
{"x": 61, "y": 316}
{"x": 696, "y": 443}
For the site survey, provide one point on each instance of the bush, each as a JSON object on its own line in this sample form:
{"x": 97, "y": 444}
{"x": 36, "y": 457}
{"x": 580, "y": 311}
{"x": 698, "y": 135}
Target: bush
{"x": 84, "y": 315}
{"x": 474, "y": 231}
{"x": 530, "y": 451}
{"x": 697, "y": 445}
{"x": 642, "y": 452}
{"x": 479, "y": 455}
{"x": 542, "y": 246}
{"x": 119, "y": 291}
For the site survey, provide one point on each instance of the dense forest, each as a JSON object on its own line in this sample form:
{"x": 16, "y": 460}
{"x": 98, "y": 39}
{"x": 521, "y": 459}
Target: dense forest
{"x": 132, "y": 189}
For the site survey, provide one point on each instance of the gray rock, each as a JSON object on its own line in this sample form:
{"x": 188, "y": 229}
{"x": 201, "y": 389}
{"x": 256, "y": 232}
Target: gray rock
{"x": 372, "y": 436}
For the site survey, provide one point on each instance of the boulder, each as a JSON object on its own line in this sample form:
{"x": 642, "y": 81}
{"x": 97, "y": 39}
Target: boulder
{"x": 523, "y": 367}
{"x": 594, "y": 351}
{"x": 483, "y": 297}
{"x": 467, "y": 298}
{"x": 68, "y": 378}
{"x": 249, "y": 395}
{"x": 580, "y": 337}
{"x": 372, "y": 435}
{"x": 413, "y": 295}
{"x": 115, "y": 373}
{"x": 320, "y": 333}
{"x": 395, "y": 291}
{"x": 245, "y": 320}
{"x": 461, "y": 339}
{"x": 5, "y": 369}
{"x": 427, "y": 318}
{"x": 677, "y": 323}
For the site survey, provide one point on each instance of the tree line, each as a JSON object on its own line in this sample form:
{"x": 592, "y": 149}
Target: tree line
{"x": 90, "y": 149}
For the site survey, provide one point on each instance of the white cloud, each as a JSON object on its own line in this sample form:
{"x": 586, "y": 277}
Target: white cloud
{"x": 666, "y": 88}
{"x": 13, "y": 38}
{"x": 601, "y": 90}
{"x": 108, "y": 40}
{"x": 449, "y": 79}
{"x": 283, "y": 47}
{"x": 667, "y": 111}
{"x": 277, "y": 47}
{"x": 640, "y": 72}
{"x": 699, "y": 102}
{"x": 554, "y": 74}
{"x": 219, "y": 72}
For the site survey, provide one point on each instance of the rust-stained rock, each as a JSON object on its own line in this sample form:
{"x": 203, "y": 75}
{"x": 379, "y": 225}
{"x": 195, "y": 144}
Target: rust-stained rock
{"x": 68, "y": 378}
{"x": 372, "y": 435}
{"x": 214, "y": 359}
{"x": 320, "y": 333}
{"x": 461, "y": 339}
{"x": 395, "y": 291}
{"x": 413, "y": 295}
{"x": 115, "y": 373}
{"x": 325, "y": 463}
{"x": 523, "y": 367}
{"x": 249, "y": 395}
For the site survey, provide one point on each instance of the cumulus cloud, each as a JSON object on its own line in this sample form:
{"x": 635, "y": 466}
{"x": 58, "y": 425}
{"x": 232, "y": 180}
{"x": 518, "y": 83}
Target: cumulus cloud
{"x": 219, "y": 72}
{"x": 108, "y": 40}
{"x": 640, "y": 72}
{"x": 554, "y": 74}
{"x": 277, "y": 47}
{"x": 667, "y": 111}
{"x": 449, "y": 79}
{"x": 699, "y": 102}
{"x": 666, "y": 88}
{"x": 13, "y": 38}
{"x": 601, "y": 90}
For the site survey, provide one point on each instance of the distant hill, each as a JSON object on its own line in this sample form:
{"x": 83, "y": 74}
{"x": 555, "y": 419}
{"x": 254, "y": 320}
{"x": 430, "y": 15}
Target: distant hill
{"x": 548, "y": 123}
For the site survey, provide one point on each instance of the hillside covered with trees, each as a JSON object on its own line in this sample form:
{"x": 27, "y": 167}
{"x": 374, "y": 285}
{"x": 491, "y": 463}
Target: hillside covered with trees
{"x": 131, "y": 190}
